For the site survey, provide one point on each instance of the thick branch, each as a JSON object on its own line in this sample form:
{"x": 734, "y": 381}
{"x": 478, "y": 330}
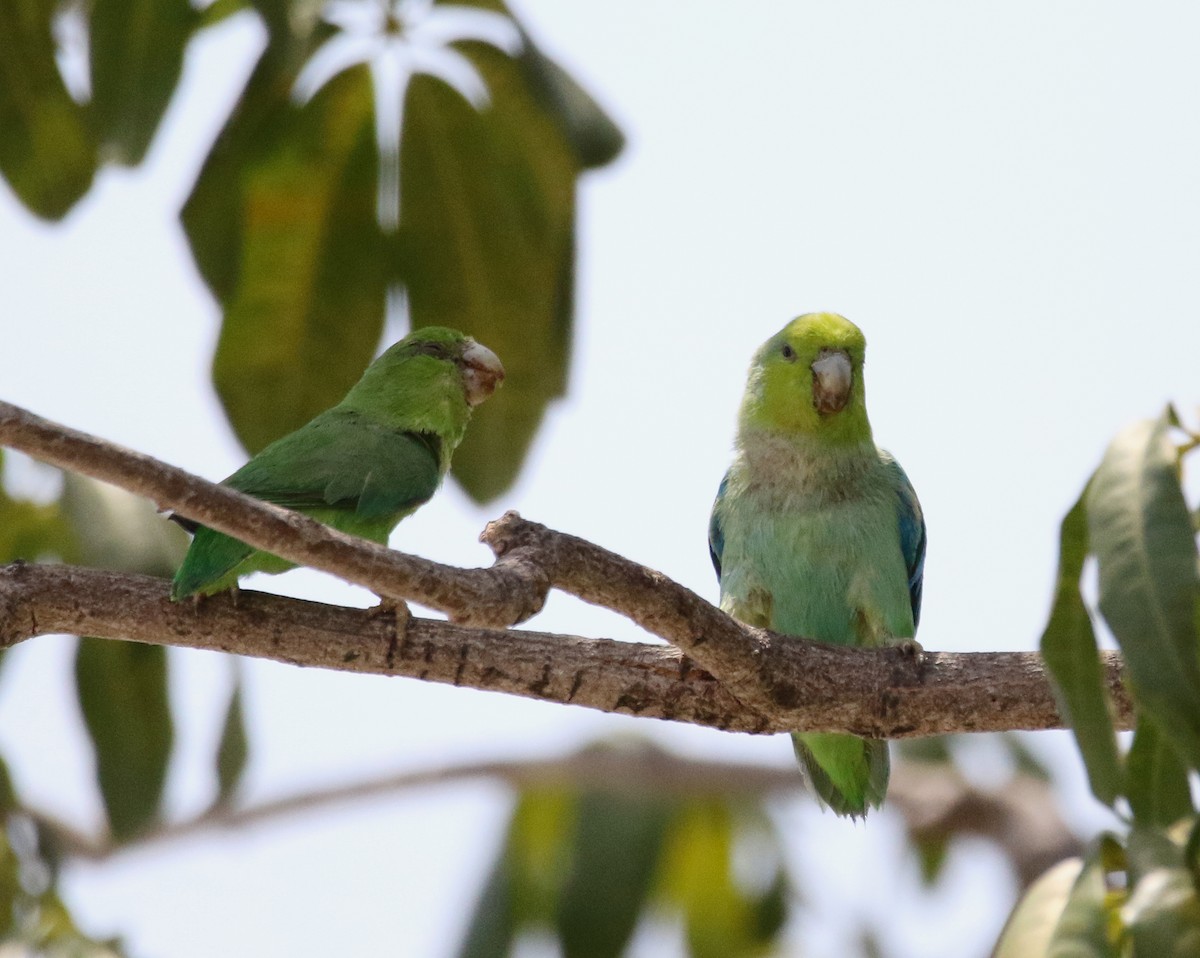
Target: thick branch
{"x": 854, "y": 689}
{"x": 767, "y": 682}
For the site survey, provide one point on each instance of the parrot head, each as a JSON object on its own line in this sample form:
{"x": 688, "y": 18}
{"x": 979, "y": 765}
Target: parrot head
{"x": 807, "y": 379}
{"x": 427, "y": 369}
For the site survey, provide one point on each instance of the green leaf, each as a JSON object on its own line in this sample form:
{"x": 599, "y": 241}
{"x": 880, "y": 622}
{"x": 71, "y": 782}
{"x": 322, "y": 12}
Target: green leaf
{"x": 722, "y": 919}
{"x": 219, "y": 11}
{"x": 31, "y": 530}
{"x": 934, "y": 749}
{"x": 8, "y": 795}
{"x": 1158, "y": 788}
{"x": 1031, "y": 925}
{"x": 306, "y": 312}
{"x": 1162, "y": 913}
{"x": 1073, "y": 660}
{"x": 614, "y": 853}
{"x": 539, "y": 853}
{"x": 526, "y": 879}
{"x": 46, "y": 151}
{"x": 1026, "y": 761}
{"x": 1084, "y": 927}
{"x": 493, "y": 924}
{"x": 1141, "y": 534}
{"x": 233, "y": 749}
{"x": 136, "y": 55}
{"x": 11, "y": 892}
{"x": 596, "y": 139}
{"x": 931, "y": 856}
{"x": 1191, "y": 852}
{"x": 486, "y": 234}
{"x": 122, "y": 689}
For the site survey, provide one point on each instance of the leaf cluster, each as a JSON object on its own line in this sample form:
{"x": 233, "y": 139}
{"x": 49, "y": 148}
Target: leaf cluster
{"x": 283, "y": 220}
{"x": 1137, "y": 895}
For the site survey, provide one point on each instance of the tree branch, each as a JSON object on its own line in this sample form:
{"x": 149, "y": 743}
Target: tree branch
{"x": 934, "y": 800}
{"x": 767, "y": 682}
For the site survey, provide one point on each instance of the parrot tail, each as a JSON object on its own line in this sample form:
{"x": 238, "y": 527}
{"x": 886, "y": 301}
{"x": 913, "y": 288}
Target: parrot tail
{"x": 848, "y": 774}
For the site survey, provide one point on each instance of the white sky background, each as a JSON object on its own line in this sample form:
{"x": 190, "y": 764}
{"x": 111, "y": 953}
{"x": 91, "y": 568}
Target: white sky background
{"x": 1004, "y": 197}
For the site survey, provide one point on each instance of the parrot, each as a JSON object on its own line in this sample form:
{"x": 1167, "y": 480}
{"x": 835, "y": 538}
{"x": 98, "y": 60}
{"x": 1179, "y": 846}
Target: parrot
{"x": 817, "y": 532}
{"x": 362, "y": 465}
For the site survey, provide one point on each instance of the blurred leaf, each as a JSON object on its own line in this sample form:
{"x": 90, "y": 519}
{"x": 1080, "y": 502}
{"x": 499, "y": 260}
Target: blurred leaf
{"x": 8, "y": 796}
{"x": 1026, "y": 761}
{"x": 614, "y": 855}
{"x": 1152, "y": 849}
{"x": 1163, "y": 910}
{"x": 1158, "y": 788}
{"x": 1085, "y": 925}
{"x": 486, "y": 234}
{"x": 931, "y": 748}
{"x": 53, "y": 934}
{"x": 10, "y": 886}
{"x": 30, "y": 530}
{"x": 46, "y": 152}
{"x": 493, "y": 924}
{"x": 219, "y": 11}
{"x": 233, "y": 749}
{"x": 1191, "y": 852}
{"x": 1030, "y": 927}
{"x": 214, "y": 215}
{"x": 306, "y": 312}
{"x": 117, "y": 530}
{"x": 721, "y": 918}
{"x": 538, "y": 851}
{"x": 1141, "y": 534}
{"x": 122, "y": 689}
{"x": 593, "y": 135}
{"x": 136, "y": 55}
{"x": 1073, "y": 660}
{"x": 931, "y": 856}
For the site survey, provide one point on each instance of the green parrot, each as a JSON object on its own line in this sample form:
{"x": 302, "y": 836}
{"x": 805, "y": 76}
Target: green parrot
{"x": 816, "y": 532}
{"x": 363, "y": 465}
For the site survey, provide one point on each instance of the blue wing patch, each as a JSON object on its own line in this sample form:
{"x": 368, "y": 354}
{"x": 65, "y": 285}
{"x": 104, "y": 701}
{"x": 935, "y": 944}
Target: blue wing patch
{"x": 716, "y": 536}
{"x": 912, "y": 531}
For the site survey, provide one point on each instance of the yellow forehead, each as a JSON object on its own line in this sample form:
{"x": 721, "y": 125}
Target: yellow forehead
{"x": 812, "y": 332}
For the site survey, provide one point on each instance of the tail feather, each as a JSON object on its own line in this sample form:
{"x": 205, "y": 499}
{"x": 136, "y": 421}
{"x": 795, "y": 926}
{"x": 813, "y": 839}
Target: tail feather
{"x": 849, "y": 775}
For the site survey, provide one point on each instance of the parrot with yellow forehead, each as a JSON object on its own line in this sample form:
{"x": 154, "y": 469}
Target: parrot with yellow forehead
{"x": 817, "y": 532}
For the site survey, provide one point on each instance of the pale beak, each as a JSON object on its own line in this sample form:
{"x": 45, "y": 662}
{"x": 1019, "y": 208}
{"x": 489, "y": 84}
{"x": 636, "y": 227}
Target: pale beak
{"x": 482, "y": 372}
{"x": 832, "y": 377}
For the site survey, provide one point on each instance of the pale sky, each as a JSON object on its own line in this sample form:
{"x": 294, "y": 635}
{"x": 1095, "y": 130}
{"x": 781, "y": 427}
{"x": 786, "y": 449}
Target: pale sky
{"x": 1003, "y": 197}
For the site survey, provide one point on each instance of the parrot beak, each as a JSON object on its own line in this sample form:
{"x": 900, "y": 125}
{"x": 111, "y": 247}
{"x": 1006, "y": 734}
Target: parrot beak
{"x": 482, "y": 372}
{"x": 832, "y": 378}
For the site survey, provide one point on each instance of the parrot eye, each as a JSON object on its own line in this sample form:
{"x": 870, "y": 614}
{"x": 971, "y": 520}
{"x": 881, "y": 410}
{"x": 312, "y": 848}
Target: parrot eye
{"x": 788, "y": 353}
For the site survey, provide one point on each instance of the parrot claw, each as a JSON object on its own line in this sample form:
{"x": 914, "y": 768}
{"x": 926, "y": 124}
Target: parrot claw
{"x": 389, "y": 607}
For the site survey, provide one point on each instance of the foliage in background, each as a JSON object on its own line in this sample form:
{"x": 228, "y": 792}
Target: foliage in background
{"x": 285, "y": 226}
{"x": 284, "y": 221}
{"x": 1136, "y": 894}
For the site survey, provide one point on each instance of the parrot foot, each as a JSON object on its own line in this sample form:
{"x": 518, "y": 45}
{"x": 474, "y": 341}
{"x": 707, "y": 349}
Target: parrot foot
{"x": 395, "y": 615}
{"x": 389, "y": 607}
{"x": 911, "y": 648}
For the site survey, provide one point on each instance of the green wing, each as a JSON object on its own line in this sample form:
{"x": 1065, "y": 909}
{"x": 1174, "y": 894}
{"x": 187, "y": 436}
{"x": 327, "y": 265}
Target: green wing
{"x": 346, "y": 470}
{"x": 345, "y": 461}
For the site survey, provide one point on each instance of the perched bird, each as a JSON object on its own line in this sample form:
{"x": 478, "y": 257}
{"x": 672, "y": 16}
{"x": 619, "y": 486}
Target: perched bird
{"x": 816, "y": 532}
{"x": 363, "y": 465}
